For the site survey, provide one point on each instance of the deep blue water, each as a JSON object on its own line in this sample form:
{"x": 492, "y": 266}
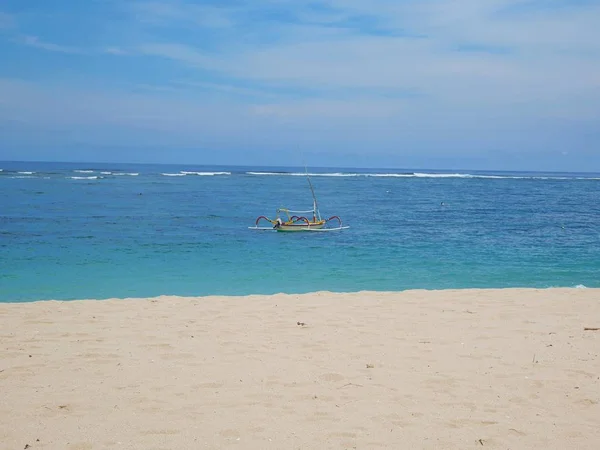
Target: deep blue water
{"x": 133, "y": 231}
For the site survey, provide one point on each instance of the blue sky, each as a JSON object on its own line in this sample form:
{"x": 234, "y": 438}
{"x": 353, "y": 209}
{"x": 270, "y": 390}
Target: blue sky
{"x": 494, "y": 84}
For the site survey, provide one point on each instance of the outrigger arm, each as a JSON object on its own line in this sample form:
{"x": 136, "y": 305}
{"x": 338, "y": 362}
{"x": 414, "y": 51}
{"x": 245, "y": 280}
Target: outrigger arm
{"x": 300, "y": 223}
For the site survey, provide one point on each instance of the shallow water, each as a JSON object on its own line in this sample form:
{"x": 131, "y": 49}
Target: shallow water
{"x": 71, "y": 231}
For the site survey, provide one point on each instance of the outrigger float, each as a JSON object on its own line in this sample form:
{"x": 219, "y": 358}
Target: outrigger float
{"x": 287, "y": 220}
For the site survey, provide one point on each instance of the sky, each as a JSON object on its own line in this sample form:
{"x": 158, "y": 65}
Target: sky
{"x": 481, "y": 84}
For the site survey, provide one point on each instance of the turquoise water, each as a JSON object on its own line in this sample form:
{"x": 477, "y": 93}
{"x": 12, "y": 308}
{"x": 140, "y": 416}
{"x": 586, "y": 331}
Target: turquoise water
{"x": 70, "y": 231}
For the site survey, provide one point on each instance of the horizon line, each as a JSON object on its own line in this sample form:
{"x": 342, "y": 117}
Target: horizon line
{"x": 298, "y": 166}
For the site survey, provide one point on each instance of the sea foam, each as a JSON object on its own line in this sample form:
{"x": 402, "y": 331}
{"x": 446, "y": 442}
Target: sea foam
{"x": 208, "y": 174}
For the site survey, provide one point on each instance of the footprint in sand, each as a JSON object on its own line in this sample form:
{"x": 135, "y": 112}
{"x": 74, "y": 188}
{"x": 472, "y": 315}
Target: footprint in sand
{"x": 208, "y": 386}
{"x": 331, "y": 377}
{"x": 516, "y": 432}
{"x": 230, "y": 434}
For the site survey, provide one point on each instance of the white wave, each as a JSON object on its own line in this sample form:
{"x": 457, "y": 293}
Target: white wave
{"x": 26, "y": 173}
{"x": 264, "y": 173}
{"x": 494, "y": 177}
{"x": 390, "y": 175}
{"x": 22, "y": 176}
{"x": 464, "y": 175}
{"x": 422, "y": 175}
{"x": 84, "y": 171}
{"x": 334, "y": 174}
{"x": 302, "y": 174}
{"x": 84, "y": 178}
{"x": 353, "y": 174}
{"x": 415, "y": 175}
{"x": 580, "y": 286}
{"x": 106, "y": 173}
{"x": 173, "y": 174}
{"x": 122, "y": 174}
{"x": 205, "y": 173}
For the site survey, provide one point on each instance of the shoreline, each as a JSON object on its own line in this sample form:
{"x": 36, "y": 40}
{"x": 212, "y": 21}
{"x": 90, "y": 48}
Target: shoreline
{"x": 318, "y": 293}
{"x": 504, "y": 368}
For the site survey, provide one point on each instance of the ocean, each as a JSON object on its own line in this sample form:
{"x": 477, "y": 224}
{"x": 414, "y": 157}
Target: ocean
{"x": 81, "y": 230}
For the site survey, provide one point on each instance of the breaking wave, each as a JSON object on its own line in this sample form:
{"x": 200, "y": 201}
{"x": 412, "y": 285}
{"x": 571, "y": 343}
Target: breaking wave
{"x": 184, "y": 173}
{"x": 208, "y": 174}
{"x": 423, "y": 175}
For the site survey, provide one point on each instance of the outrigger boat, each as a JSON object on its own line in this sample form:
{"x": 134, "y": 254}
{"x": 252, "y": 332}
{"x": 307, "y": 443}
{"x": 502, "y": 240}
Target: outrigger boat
{"x": 288, "y": 220}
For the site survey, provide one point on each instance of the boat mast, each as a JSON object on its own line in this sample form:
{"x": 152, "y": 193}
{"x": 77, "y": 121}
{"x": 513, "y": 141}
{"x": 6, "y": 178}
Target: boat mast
{"x": 315, "y": 206}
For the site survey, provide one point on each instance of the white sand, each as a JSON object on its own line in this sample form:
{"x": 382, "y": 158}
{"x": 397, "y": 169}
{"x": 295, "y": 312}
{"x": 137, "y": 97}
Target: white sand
{"x": 497, "y": 369}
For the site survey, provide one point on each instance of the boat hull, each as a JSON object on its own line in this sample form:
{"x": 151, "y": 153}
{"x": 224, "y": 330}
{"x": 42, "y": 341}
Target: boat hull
{"x": 300, "y": 226}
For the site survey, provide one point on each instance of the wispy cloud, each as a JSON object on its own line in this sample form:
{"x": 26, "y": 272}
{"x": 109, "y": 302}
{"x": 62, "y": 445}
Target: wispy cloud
{"x": 148, "y": 116}
{"x": 34, "y": 41}
{"x": 115, "y": 51}
{"x": 226, "y": 88}
{"x": 437, "y": 47}
{"x": 355, "y": 72}
{"x": 165, "y": 12}
{"x": 178, "y": 52}
{"x": 7, "y": 21}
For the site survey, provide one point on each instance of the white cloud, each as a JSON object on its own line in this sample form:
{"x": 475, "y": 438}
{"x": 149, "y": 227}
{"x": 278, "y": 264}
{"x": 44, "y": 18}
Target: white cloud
{"x": 178, "y": 52}
{"x": 165, "y": 12}
{"x": 546, "y": 56}
{"x": 225, "y": 88}
{"x": 367, "y": 132}
{"x": 316, "y": 110}
{"x": 82, "y": 106}
{"x": 343, "y": 74}
{"x": 7, "y": 21}
{"x": 34, "y": 41}
{"x": 115, "y": 51}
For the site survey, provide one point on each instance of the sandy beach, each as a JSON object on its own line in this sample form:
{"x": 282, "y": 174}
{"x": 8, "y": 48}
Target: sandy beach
{"x": 497, "y": 369}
